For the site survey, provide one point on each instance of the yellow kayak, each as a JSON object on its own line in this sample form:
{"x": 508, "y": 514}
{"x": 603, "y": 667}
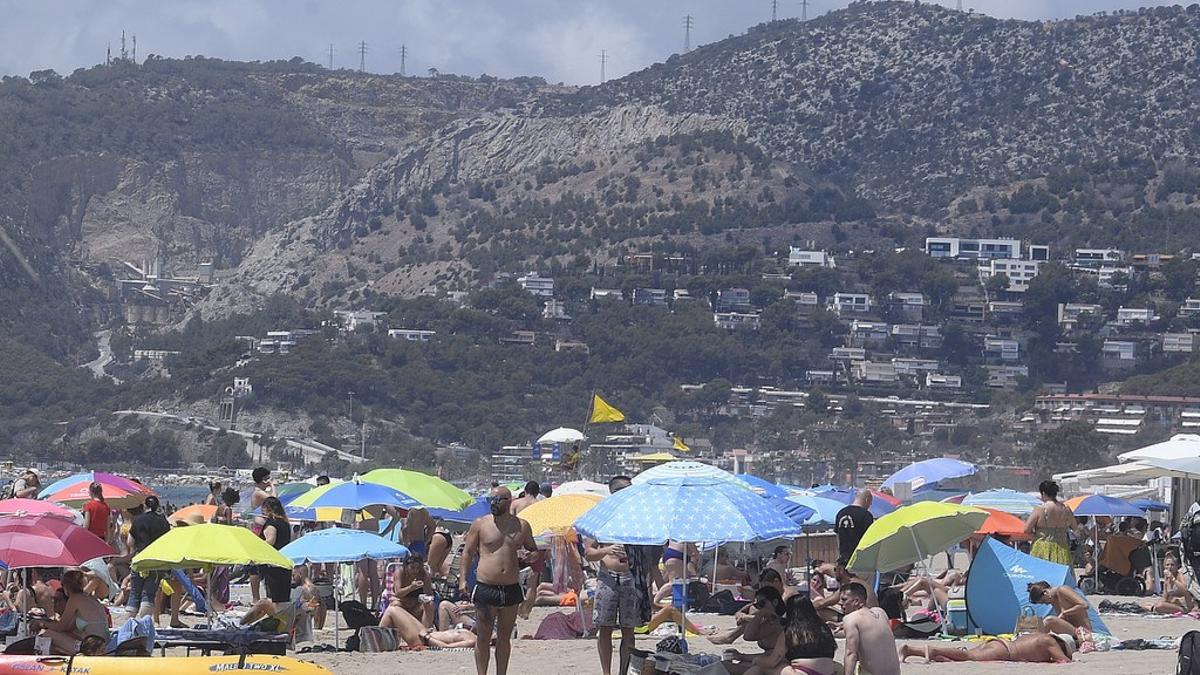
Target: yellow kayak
{"x": 176, "y": 665}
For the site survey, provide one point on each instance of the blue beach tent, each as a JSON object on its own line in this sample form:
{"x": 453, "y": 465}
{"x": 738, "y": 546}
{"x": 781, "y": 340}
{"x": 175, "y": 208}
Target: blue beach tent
{"x": 997, "y": 588}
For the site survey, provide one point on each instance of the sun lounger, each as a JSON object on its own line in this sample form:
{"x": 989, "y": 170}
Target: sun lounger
{"x": 224, "y": 641}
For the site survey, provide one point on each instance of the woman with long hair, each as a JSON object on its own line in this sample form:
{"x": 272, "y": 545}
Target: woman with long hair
{"x": 278, "y": 533}
{"x": 96, "y": 513}
{"x": 805, "y": 647}
{"x": 1050, "y": 524}
{"x": 83, "y": 615}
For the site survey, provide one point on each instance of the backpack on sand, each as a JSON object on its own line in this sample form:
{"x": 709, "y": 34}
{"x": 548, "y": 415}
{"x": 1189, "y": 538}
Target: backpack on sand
{"x": 1189, "y": 654}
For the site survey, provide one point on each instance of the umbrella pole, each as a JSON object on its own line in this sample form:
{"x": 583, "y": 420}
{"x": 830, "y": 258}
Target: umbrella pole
{"x": 713, "y": 585}
{"x": 1096, "y": 552}
{"x": 337, "y": 610}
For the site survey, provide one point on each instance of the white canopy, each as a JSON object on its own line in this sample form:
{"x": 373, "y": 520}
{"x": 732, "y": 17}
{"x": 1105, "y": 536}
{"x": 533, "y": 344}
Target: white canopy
{"x": 1180, "y": 446}
{"x": 1118, "y": 474}
{"x": 562, "y": 435}
{"x": 577, "y": 487}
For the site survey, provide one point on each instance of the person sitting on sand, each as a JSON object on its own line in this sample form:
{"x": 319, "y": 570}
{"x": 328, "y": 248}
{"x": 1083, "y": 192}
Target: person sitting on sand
{"x": 727, "y": 571}
{"x": 80, "y": 616}
{"x": 414, "y": 589}
{"x": 1176, "y": 598}
{"x": 804, "y": 647}
{"x": 870, "y": 645}
{"x": 408, "y": 628}
{"x": 1029, "y": 648}
{"x": 761, "y": 624}
{"x": 936, "y": 590}
{"x": 1070, "y": 606}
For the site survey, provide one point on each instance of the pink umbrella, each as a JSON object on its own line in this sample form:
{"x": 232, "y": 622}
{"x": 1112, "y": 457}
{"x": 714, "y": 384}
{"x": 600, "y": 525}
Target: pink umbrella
{"x": 46, "y": 541}
{"x": 34, "y": 507}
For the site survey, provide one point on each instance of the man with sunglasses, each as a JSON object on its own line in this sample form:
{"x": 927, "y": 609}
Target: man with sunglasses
{"x": 497, "y": 540}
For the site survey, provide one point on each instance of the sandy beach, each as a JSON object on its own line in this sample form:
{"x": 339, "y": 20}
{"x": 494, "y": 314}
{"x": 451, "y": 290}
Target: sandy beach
{"x": 579, "y": 656}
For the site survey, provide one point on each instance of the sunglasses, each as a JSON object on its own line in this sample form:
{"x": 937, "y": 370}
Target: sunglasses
{"x": 496, "y": 499}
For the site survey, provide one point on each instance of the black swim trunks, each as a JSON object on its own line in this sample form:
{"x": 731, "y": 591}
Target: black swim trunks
{"x": 492, "y": 595}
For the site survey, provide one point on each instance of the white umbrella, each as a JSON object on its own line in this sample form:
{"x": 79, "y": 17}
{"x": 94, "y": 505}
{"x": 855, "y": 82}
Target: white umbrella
{"x": 582, "y": 487}
{"x": 1180, "y": 446}
{"x": 688, "y": 469}
{"x": 562, "y": 435}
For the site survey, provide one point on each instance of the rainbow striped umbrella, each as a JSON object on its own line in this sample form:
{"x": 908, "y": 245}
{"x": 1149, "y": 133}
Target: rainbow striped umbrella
{"x": 119, "y": 491}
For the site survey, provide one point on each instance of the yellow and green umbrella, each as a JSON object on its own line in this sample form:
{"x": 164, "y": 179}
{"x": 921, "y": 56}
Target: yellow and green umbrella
{"x": 429, "y": 491}
{"x": 912, "y": 533}
{"x": 557, "y": 514}
{"x": 207, "y": 546}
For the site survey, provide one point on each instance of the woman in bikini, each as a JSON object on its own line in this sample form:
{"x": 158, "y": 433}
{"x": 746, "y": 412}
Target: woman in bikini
{"x": 82, "y": 616}
{"x": 804, "y": 647}
{"x": 1176, "y": 598}
{"x": 760, "y": 623}
{"x": 415, "y": 635}
{"x": 1070, "y": 607}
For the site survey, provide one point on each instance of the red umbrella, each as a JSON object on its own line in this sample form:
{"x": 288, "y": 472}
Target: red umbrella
{"x": 876, "y": 494}
{"x": 41, "y": 541}
{"x": 34, "y": 507}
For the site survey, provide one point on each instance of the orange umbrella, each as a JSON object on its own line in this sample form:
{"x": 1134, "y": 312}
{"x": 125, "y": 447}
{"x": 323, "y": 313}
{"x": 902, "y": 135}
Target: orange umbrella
{"x": 196, "y": 514}
{"x": 1003, "y": 524}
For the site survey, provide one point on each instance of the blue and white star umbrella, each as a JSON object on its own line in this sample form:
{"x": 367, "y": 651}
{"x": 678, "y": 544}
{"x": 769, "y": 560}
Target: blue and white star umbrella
{"x": 824, "y": 510}
{"x": 685, "y": 509}
{"x": 928, "y": 473}
{"x": 688, "y": 469}
{"x": 762, "y": 486}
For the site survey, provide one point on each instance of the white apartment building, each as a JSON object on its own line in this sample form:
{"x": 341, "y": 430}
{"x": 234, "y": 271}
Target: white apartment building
{"x": 1190, "y": 307}
{"x": 1127, "y": 316}
{"x": 412, "y": 334}
{"x": 851, "y": 303}
{"x": 1003, "y": 349}
{"x": 736, "y": 320}
{"x": 870, "y": 371}
{"x": 801, "y": 258}
{"x": 957, "y": 247}
{"x": 543, "y": 287}
{"x": 1019, "y": 272}
{"x": 1179, "y": 343}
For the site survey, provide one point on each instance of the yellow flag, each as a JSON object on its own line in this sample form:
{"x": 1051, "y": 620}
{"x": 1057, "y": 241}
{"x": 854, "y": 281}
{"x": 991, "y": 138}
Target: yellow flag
{"x": 603, "y": 412}
{"x": 680, "y": 445}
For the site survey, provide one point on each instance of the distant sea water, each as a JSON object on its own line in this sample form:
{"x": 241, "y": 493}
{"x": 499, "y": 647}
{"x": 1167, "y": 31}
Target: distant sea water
{"x": 182, "y": 495}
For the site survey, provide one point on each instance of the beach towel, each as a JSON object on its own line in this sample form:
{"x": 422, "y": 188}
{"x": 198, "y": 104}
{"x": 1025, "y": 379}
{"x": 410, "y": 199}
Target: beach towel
{"x": 377, "y": 639}
{"x": 190, "y": 588}
{"x": 134, "y": 628}
{"x": 560, "y": 626}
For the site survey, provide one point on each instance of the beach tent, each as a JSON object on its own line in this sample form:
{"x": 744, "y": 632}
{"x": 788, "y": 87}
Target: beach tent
{"x": 997, "y": 587}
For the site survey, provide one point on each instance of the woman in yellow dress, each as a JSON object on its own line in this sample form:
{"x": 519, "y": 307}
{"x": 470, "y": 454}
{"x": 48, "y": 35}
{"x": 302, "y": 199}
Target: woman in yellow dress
{"x": 1049, "y": 524}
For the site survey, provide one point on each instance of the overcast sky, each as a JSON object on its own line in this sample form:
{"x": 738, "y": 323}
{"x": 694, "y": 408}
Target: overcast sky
{"x": 557, "y": 39}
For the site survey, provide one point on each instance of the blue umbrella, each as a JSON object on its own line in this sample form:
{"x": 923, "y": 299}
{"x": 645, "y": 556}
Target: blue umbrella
{"x": 925, "y": 474}
{"x": 1102, "y": 505}
{"x": 763, "y": 487}
{"x": 798, "y": 513}
{"x": 878, "y": 508}
{"x": 337, "y": 544}
{"x": 1003, "y": 499}
{"x": 465, "y": 516}
{"x": 824, "y": 510}
{"x": 1151, "y": 505}
{"x": 685, "y": 509}
{"x": 354, "y": 495}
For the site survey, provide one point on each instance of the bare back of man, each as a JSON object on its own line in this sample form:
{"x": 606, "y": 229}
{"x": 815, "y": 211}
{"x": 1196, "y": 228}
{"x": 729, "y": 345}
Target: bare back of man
{"x": 496, "y": 540}
{"x": 869, "y": 637}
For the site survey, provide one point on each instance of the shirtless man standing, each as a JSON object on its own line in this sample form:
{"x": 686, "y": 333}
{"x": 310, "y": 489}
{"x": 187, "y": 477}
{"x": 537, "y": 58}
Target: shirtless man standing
{"x": 616, "y": 602}
{"x": 418, "y": 531}
{"x": 496, "y": 540}
{"x": 263, "y": 488}
{"x": 537, "y": 564}
{"x": 869, "y": 639}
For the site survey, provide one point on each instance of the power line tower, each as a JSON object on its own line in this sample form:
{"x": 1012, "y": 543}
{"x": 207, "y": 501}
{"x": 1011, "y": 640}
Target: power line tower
{"x": 331, "y": 56}
{"x": 362, "y": 56}
{"x": 124, "y": 52}
{"x": 804, "y": 10}
{"x": 135, "y": 49}
{"x": 403, "y": 60}
{"x": 688, "y": 24}
{"x": 774, "y": 10}
{"x": 603, "y": 63}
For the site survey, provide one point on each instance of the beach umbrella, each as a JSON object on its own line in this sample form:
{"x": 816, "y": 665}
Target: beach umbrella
{"x": 685, "y": 509}
{"x": 557, "y": 514}
{"x": 881, "y": 504}
{"x": 824, "y": 510}
{"x": 1009, "y": 501}
{"x": 1143, "y": 504}
{"x": 582, "y": 487}
{"x": 1102, "y": 505}
{"x": 928, "y": 473}
{"x": 341, "y": 545}
{"x": 1178, "y": 447}
{"x": 196, "y": 514}
{"x": 1003, "y": 524}
{"x": 35, "y": 507}
{"x": 311, "y": 481}
{"x": 47, "y": 541}
{"x": 477, "y": 509}
{"x": 427, "y": 491}
{"x": 355, "y": 495}
{"x": 562, "y": 435}
{"x": 912, "y": 533}
{"x": 764, "y": 488}
{"x": 207, "y": 546}
{"x": 798, "y": 513}
{"x": 954, "y": 499}
{"x": 1168, "y": 467}
{"x": 288, "y": 491}
{"x": 688, "y": 469}
{"x": 119, "y": 492}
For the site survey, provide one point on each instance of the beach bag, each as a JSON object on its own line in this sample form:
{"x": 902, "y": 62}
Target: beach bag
{"x": 722, "y": 603}
{"x": 357, "y": 615}
{"x": 374, "y": 639}
{"x": 1189, "y": 654}
{"x": 1027, "y": 622}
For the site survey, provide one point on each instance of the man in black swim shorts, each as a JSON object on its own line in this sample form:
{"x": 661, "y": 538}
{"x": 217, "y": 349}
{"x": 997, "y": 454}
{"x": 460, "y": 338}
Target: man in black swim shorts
{"x": 499, "y": 540}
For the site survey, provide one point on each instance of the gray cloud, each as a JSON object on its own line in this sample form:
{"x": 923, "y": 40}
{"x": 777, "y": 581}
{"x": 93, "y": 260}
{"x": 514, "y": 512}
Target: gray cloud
{"x": 557, "y": 39}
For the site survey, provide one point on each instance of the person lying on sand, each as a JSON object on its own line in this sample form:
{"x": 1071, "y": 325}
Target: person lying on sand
{"x": 410, "y": 629}
{"x": 1031, "y": 648}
